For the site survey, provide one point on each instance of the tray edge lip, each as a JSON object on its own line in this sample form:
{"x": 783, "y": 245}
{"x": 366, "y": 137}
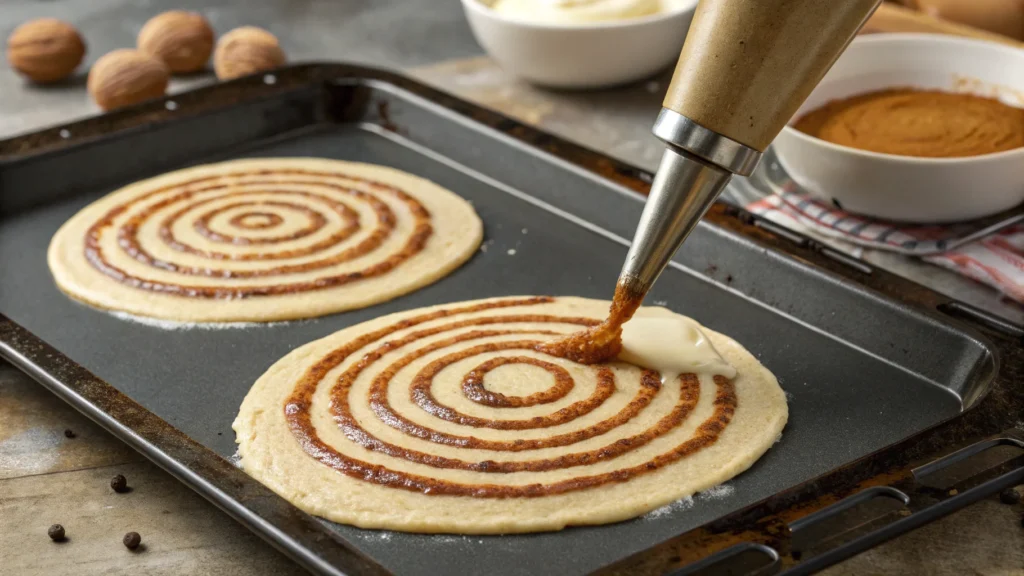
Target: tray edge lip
{"x": 157, "y": 452}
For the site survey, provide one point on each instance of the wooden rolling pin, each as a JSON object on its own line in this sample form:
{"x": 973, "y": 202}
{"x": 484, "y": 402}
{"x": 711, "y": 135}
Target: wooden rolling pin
{"x": 893, "y": 18}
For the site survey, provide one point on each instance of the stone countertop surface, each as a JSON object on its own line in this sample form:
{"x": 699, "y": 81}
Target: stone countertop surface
{"x": 388, "y": 33}
{"x": 48, "y": 478}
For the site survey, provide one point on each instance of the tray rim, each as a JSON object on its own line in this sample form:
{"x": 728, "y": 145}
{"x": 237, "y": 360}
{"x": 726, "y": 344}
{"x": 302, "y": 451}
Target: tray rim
{"x": 309, "y": 543}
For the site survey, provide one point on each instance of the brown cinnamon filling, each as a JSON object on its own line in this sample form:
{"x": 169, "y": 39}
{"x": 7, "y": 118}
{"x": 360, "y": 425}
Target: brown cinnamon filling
{"x": 297, "y": 408}
{"x": 202, "y": 225}
{"x": 256, "y": 221}
{"x": 923, "y": 123}
{"x": 473, "y": 384}
{"x": 127, "y": 235}
{"x": 602, "y": 342}
{"x": 421, "y": 395}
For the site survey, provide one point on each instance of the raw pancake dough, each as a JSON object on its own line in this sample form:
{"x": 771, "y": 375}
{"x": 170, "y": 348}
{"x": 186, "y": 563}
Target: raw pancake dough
{"x": 444, "y": 419}
{"x": 261, "y": 240}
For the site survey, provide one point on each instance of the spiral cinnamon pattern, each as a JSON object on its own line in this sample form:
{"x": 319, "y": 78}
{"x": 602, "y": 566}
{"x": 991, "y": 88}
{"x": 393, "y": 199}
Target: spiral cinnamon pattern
{"x": 192, "y": 194}
{"x": 431, "y": 358}
{"x": 273, "y": 228}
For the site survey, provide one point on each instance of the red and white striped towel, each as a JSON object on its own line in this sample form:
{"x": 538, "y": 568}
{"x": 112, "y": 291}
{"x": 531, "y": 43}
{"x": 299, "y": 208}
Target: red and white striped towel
{"x": 996, "y": 260}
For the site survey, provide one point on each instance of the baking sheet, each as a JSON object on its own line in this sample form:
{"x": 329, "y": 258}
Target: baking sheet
{"x": 860, "y": 372}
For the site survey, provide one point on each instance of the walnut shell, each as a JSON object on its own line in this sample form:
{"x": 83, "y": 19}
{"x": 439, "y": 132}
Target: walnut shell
{"x": 245, "y": 51}
{"x": 124, "y": 77}
{"x": 45, "y": 50}
{"x": 183, "y": 40}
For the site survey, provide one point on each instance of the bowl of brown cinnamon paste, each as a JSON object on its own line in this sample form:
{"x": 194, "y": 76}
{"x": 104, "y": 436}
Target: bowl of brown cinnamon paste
{"x": 913, "y": 127}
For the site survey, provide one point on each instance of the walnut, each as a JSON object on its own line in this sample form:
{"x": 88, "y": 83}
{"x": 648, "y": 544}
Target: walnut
{"x": 183, "y": 40}
{"x": 245, "y": 51}
{"x": 124, "y": 77}
{"x": 45, "y": 50}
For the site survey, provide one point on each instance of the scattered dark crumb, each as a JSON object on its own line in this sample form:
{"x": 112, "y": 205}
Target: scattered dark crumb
{"x": 69, "y": 433}
{"x": 385, "y": 117}
{"x": 711, "y": 269}
{"x": 1009, "y": 496}
{"x": 220, "y": 433}
{"x": 728, "y": 278}
{"x": 132, "y": 540}
{"x": 119, "y": 483}
{"x": 56, "y": 533}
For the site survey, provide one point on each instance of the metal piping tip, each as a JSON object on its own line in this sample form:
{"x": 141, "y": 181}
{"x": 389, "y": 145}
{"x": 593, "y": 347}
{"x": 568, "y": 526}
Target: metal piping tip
{"x": 633, "y": 285}
{"x": 683, "y": 190}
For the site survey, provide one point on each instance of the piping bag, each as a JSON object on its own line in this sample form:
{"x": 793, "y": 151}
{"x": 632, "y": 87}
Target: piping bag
{"x": 746, "y": 67}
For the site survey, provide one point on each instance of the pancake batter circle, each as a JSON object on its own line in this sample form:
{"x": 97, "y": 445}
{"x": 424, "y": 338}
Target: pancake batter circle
{"x": 448, "y": 419}
{"x": 263, "y": 240}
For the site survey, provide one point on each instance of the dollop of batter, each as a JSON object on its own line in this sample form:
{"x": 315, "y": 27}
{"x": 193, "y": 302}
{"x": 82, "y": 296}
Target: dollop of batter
{"x": 653, "y": 338}
{"x": 922, "y": 123}
{"x": 670, "y": 344}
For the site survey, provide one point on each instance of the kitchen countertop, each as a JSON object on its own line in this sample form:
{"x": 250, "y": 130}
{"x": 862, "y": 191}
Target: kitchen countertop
{"x": 47, "y": 478}
{"x": 393, "y": 34}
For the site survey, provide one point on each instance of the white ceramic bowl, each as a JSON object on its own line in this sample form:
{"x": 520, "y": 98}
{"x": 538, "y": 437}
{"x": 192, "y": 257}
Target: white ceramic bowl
{"x": 582, "y": 56}
{"x": 902, "y": 187}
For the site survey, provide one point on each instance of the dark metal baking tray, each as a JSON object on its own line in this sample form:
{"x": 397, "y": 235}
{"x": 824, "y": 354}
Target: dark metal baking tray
{"x": 878, "y": 379}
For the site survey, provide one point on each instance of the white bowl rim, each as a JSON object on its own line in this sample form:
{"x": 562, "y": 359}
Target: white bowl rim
{"x": 684, "y": 7}
{"x": 912, "y": 37}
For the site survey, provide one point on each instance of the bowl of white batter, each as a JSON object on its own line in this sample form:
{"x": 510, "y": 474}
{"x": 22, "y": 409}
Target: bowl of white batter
{"x": 581, "y": 43}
